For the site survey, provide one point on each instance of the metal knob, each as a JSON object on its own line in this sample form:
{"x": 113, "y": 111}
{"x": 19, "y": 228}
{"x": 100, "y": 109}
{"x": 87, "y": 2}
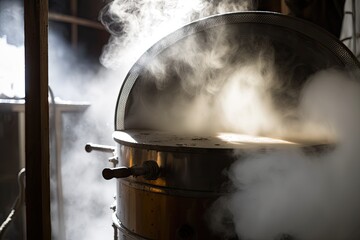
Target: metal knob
{"x": 149, "y": 170}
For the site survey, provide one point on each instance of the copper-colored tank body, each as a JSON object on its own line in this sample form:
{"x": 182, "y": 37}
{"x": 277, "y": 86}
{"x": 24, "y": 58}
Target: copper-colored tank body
{"x": 175, "y": 204}
{"x": 192, "y": 176}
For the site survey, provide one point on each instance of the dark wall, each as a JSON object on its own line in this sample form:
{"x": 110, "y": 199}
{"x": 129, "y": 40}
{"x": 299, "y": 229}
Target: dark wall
{"x": 328, "y": 14}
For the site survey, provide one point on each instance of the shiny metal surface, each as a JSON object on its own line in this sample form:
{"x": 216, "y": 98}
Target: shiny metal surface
{"x": 149, "y": 215}
{"x": 122, "y": 233}
{"x": 192, "y": 176}
{"x": 195, "y": 168}
{"x": 180, "y": 170}
{"x": 202, "y": 172}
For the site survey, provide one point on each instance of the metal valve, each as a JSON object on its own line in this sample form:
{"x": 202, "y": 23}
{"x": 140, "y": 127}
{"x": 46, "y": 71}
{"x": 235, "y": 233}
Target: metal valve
{"x": 149, "y": 170}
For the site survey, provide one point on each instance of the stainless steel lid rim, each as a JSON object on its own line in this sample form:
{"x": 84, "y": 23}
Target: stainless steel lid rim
{"x": 192, "y": 144}
{"x": 178, "y": 149}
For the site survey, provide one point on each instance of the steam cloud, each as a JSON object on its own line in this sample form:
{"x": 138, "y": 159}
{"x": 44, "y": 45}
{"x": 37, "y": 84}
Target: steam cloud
{"x": 289, "y": 192}
{"x": 219, "y": 82}
{"x": 12, "y": 71}
{"x": 136, "y": 25}
{"x": 86, "y": 195}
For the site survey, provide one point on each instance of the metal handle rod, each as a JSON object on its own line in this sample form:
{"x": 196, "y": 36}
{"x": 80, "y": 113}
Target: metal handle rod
{"x": 97, "y": 147}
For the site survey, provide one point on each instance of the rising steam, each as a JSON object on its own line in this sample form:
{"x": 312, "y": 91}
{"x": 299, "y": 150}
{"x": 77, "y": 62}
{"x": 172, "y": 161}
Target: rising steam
{"x": 87, "y": 213}
{"x": 219, "y": 82}
{"x": 12, "y": 70}
{"x": 291, "y": 193}
{"x": 136, "y": 25}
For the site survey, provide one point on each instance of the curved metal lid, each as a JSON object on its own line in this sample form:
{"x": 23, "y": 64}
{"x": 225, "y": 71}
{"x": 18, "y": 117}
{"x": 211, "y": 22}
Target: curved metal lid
{"x": 298, "y": 48}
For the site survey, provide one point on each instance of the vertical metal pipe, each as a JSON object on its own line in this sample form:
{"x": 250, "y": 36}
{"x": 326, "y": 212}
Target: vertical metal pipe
{"x": 354, "y": 37}
{"x": 37, "y": 194}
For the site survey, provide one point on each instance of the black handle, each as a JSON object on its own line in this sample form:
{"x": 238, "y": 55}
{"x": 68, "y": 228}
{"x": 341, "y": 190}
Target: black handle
{"x": 149, "y": 170}
{"x": 119, "y": 172}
